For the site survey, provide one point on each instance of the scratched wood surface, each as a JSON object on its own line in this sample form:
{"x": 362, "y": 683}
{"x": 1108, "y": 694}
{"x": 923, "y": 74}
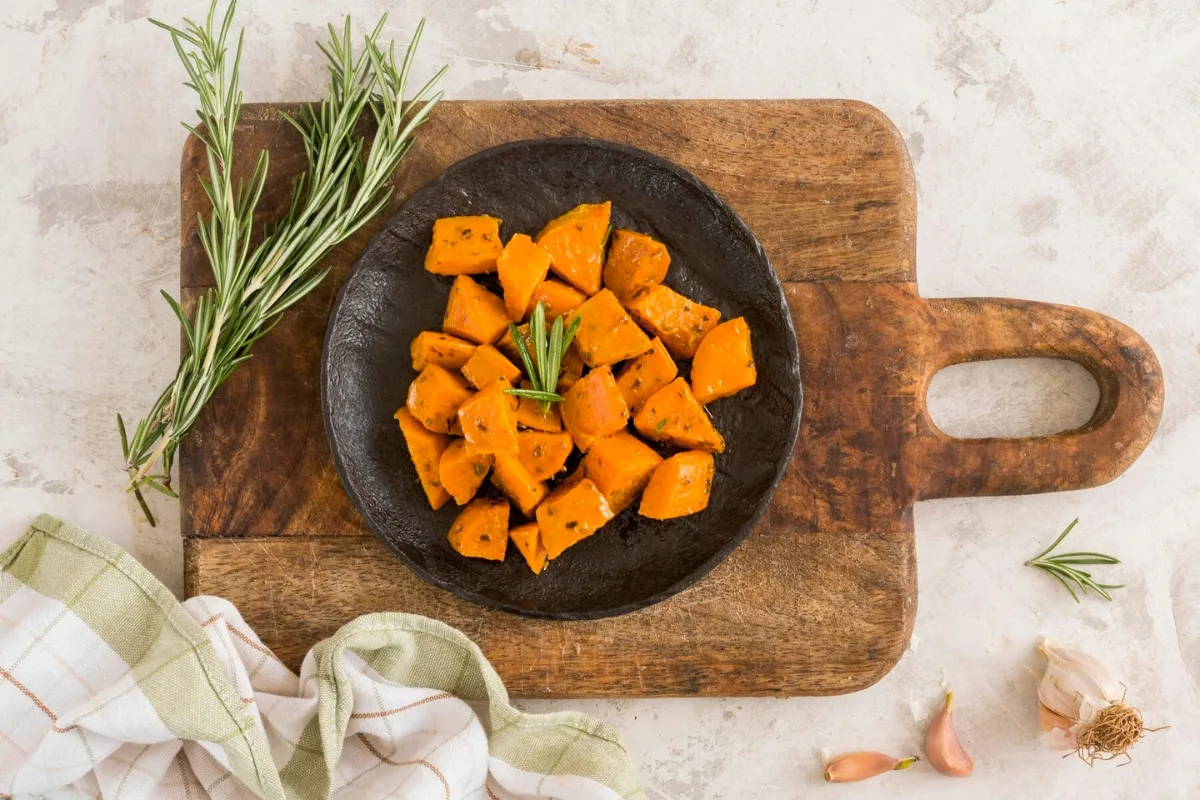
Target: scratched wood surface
{"x": 821, "y": 597}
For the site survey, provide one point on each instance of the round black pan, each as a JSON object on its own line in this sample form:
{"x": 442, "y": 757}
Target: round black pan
{"x": 388, "y": 298}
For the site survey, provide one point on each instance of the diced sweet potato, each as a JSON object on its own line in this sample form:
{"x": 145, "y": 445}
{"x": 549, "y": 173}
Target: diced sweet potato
{"x": 680, "y": 322}
{"x": 558, "y": 298}
{"x": 576, "y": 244}
{"x": 464, "y": 246}
{"x": 528, "y": 540}
{"x": 607, "y": 334}
{"x": 673, "y": 415}
{"x": 425, "y": 448}
{"x": 522, "y": 266}
{"x": 575, "y": 477}
{"x": 634, "y": 262}
{"x": 724, "y": 362}
{"x": 529, "y": 414}
{"x": 474, "y": 313}
{"x": 489, "y": 421}
{"x": 431, "y": 347}
{"x": 544, "y": 454}
{"x": 481, "y": 529}
{"x": 512, "y": 478}
{"x": 620, "y": 465}
{"x": 435, "y": 396}
{"x": 508, "y": 346}
{"x": 646, "y": 374}
{"x": 593, "y": 408}
{"x": 570, "y": 370}
{"x": 681, "y": 485}
{"x": 489, "y": 365}
{"x": 461, "y": 472}
{"x": 570, "y": 515}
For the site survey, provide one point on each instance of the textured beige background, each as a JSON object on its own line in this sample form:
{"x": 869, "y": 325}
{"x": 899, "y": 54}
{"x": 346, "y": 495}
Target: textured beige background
{"x": 1057, "y": 156}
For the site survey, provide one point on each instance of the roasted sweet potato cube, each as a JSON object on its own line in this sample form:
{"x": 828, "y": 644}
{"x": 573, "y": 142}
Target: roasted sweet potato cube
{"x": 464, "y": 246}
{"x": 528, "y": 540}
{"x": 461, "y": 472}
{"x": 570, "y": 515}
{"x": 681, "y": 485}
{"x": 489, "y": 421}
{"x": 558, "y": 298}
{"x": 529, "y": 414}
{"x": 431, "y": 347}
{"x": 434, "y": 398}
{"x": 576, "y": 244}
{"x": 522, "y": 266}
{"x": 646, "y": 374}
{"x": 620, "y": 465}
{"x": 474, "y": 313}
{"x": 481, "y": 529}
{"x": 607, "y": 334}
{"x": 724, "y": 362}
{"x": 544, "y": 454}
{"x": 635, "y": 261}
{"x": 570, "y": 370}
{"x": 680, "y": 322}
{"x": 518, "y": 483}
{"x": 593, "y": 408}
{"x": 489, "y": 365}
{"x": 672, "y": 415}
{"x": 425, "y": 448}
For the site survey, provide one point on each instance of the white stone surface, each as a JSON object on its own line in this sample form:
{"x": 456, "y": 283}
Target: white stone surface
{"x": 1057, "y": 156}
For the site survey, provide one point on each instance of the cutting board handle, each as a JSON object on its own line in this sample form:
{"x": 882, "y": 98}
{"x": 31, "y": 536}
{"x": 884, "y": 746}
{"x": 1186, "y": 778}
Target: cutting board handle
{"x": 982, "y": 329}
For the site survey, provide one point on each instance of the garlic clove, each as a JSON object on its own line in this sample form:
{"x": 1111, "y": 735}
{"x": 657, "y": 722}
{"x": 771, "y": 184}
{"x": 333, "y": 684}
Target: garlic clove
{"x": 1075, "y": 685}
{"x": 863, "y": 764}
{"x": 942, "y": 747}
{"x": 1057, "y": 731}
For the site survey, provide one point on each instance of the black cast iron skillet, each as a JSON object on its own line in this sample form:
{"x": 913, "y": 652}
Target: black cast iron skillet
{"x": 388, "y": 298}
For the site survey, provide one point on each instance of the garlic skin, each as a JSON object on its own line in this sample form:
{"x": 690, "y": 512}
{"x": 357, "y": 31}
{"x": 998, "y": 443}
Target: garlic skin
{"x": 942, "y": 747}
{"x": 1073, "y": 689}
{"x": 863, "y": 764}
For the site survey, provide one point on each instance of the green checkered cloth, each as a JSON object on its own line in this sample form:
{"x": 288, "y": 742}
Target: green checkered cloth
{"x": 111, "y": 688}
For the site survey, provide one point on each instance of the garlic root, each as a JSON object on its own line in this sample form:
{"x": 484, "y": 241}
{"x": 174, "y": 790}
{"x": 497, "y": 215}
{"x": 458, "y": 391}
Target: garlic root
{"x": 942, "y": 747}
{"x": 862, "y": 764}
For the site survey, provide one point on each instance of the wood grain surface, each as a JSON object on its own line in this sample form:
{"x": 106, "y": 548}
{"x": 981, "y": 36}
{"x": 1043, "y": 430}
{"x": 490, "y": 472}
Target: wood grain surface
{"x": 821, "y": 597}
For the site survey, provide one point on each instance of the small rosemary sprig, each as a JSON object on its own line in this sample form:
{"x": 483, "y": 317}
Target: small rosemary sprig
{"x": 1063, "y": 567}
{"x": 544, "y": 364}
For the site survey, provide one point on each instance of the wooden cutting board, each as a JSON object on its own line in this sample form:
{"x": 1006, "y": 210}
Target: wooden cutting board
{"x": 820, "y": 598}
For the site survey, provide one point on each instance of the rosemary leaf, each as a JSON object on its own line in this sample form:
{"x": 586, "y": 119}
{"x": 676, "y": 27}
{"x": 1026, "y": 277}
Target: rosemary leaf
{"x": 1064, "y": 567}
{"x": 534, "y": 394}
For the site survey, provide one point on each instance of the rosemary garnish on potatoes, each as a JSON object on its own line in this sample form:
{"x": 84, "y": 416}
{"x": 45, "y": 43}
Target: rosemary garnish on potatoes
{"x": 545, "y": 362}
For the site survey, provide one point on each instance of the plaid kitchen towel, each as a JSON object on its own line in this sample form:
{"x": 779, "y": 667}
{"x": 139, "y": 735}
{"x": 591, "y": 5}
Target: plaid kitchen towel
{"x": 110, "y": 688}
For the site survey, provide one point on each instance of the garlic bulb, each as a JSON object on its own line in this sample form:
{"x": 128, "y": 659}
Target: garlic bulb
{"x": 1081, "y": 705}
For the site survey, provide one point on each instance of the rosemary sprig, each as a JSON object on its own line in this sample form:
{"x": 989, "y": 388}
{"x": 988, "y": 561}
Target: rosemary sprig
{"x": 545, "y": 362}
{"x": 1063, "y": 567}
{"x": 343, "y": 188}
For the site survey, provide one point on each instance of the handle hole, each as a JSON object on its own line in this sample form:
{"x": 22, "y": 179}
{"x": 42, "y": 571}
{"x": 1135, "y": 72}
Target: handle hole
{"x": 1012, "y": 398}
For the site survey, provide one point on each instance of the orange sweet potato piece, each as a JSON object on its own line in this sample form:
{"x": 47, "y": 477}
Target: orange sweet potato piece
{"x": 507, "y": 346}
{"x": 620, "y": 465}
{"x": 646, "y": 374}
{"x": 724, "y": 362}
{"x": 481, "y": 529}
{"x": 570, "y": 515}
{"x": 672, "y": 415}
{"x": 681, "y": 323}
{"x": 461, "y": 472}
{"x": 489, "y": 421}
{"x": 634, "y": 262}
{"x": 606, "y": 332}
{"x": 522, "y": 266}
{"x": 434, "y": 398}
{"x": 529, "y": 414}
{"x": 488, "y": 365}
{"x": 576, "y": 244}
{"x": 681, "y": 485}
{"x": 425, "y": 448}
{"x": 474, "y": 313}
{"x": 528, "y": 540}
{"x": 544, "y": 454}
{"x": 558, "y": 298}
{"x": 431, "y": 347}
{"x": 570, "y": 370}
{"x": 464, "y": 246}
{"x": 518, "y": 483}
{"x": 593, "y": 408}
